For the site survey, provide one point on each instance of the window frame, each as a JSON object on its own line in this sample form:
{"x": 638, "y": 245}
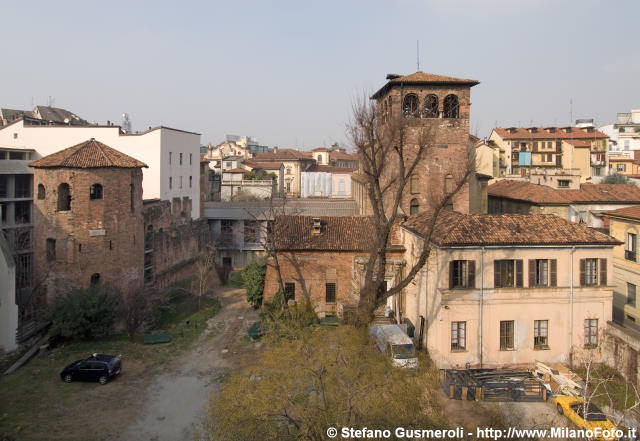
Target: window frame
{"x": 328, "y": 287}
{"x": 540, "y": 341}
{"x": 459, "y": 341}
{"x": 590, "y": 333}
{"x": 631, "y": 288}
{"x": 507, "y": 335}
{"x": 630, "y": 246}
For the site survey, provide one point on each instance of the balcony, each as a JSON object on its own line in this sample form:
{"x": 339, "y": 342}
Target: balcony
{"x": 630, "y": 255}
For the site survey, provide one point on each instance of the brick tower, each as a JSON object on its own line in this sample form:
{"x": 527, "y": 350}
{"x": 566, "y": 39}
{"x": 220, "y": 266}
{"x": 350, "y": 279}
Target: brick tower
{"x": 439, "y": 106}
{"x": 88, "y": 224}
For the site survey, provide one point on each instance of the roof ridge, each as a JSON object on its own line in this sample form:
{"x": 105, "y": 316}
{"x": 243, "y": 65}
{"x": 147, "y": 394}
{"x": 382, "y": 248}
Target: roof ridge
{"x": 99, "y": 147}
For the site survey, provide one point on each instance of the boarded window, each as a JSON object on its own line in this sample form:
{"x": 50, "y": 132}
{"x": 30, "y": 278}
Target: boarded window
{"x": 506, "y": 335}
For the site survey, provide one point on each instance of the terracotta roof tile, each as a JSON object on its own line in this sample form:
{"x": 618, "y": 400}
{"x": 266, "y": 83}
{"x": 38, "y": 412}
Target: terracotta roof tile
{"x": 543, "y": 194}
{"x": 542, "y": 133}
{"x": 88, "y": 154}
{"x": 628, "y": 212}
{"x": 264, "y": 165}
{"x": 283, "y": 155}
{"x": 338, "y": 233}
{"x": 336, "y": 155}
{"x": 456, "y": 229}
{"x": 422, "y": 78}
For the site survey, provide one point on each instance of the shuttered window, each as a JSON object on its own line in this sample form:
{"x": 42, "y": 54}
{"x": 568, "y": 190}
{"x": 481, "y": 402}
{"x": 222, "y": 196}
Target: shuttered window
{"x": 507, "y": 273}
{"x": 462, "y": 274}
{"x": 543, "y": 272}
{"x": 593, "y": 272}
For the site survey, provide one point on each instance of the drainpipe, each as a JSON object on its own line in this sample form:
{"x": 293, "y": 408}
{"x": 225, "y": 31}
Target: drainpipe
{"x": 481, "y": 302}
{"x": 573, "y": 249}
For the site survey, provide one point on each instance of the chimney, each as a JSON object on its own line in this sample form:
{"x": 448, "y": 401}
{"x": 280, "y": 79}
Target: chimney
{"x": 317, "y": 226}
{"x": 275, "y": 149}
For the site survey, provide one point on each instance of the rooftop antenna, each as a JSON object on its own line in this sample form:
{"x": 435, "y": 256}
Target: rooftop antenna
{"x": 126, "y": 123}
{"x": 418, "y": 54}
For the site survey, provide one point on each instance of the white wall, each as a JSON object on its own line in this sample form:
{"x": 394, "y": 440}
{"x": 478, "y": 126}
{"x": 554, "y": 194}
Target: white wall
{"x": 151, "y": 147}
{"x": 8, "y": 307}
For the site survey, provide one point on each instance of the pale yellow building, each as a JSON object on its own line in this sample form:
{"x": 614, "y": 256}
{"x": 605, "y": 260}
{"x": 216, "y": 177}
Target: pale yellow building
{"x": 295, "y": 162}
{"x": 508, "y": 289}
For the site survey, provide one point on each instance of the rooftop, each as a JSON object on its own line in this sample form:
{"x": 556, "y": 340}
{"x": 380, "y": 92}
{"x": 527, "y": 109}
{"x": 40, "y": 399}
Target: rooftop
{"x": 543, "y": 194}
{"x": 282, "y": 155}
{"x": 88, "y": 154}
{"x": 549, "y": 133}
{"x": 422, "y": 78}
{"x": 627, "y": 212}
{"x": 338, "y": 233}
{"x": 456, "y": 229}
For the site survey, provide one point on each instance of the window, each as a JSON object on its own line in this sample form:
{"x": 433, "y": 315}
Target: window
{"x": 132, "y": 198}
{"x": 64, "y": 197}
{"x": 621, "y": 167}
{"x": 251, "y": 232}
{"x": 631, "y": 294}
{"x": 330, "y": 292}
{"x": 593, "y": 272}
{"x": 430, "y": 107}
{"x": 180, "y": 158}
{"x": 540, "y": 334}
{"x": 543, "y": 272}
{"x": 41, "y": 192}
{"x": 170, "y": 182}
{"x": 95, "y": 279}
{"x": 4, "y": 186}
{"x": 563, "y": 182}
{"x": 507, "y": 273}
{"x": 414, "y": 184}
{"x": 190, "y": 158}
{"x": 289, "y": 186}
{"x": 22, "y": 212}
{"x": 506, "y": 335}
{"x": 630, "y": 252}
{"x": 180, "y": 181}
{"x": 549, "y": 157}
{"x": 410, "y": 105}
{"x": 169, "y": 158}
{"x": 590, "y": 333}
{"x": 462, "y": 274}
{"x": 95, "y": 192}
{"x": 289, "y": 291}
{"x": 190, "y": 181}
{"x": 23, "y": 186}
{"x": 288, "y": 171}
{"x": 451, "y": 107}
{"x": 414, "y": 206}
{"x": 320, "y": 159}
{"x": 51, "y": 250}
{"x": 458, "y": 336}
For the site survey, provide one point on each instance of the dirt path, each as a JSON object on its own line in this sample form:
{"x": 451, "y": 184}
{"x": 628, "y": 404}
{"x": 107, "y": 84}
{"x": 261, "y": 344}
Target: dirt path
{"x": 177, "y": 399}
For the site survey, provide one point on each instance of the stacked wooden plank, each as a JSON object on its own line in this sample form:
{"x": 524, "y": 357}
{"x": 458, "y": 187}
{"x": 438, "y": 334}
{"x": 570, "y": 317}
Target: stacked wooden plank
{"x": 562, "y": 380}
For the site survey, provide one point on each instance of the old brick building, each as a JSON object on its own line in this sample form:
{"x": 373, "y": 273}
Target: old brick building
{"x": 88, "y": 224}
{"x": 437, "y": 107}
{"x": 322, "y": 258}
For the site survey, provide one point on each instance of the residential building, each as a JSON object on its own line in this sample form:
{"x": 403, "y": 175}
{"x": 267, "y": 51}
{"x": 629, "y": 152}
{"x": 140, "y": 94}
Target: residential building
{"x": 507, "y": 290}
{"x": 88, "y": 219}
{"x": 172, "y": 155}
{"x": 274, "y": 168}
{"x": 322, "y": 260}
{"x": 624, "y": 225}
{"x": 436, "y": 104}
{"x": 560, "y": 194}
{"x": 626, "y": 131}
{"x": 326, "y": 181}
{"x": 553, "y": 147}
{"x": 294, "y": 161}
{"x": 340, "y": 158}
{"x": 234, "y": 186}
{"x": 40, "y": 115}
{"x": 625, "y": 163}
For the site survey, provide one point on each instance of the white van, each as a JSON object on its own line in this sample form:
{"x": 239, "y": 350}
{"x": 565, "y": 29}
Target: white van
{"x": 394, "y": 341}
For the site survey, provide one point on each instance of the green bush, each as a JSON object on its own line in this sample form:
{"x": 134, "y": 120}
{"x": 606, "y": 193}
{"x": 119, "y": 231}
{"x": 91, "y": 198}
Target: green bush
{"x": 84, "y": 313}
{"x": 253, "y": 280}
{"x": 617, "y": 179}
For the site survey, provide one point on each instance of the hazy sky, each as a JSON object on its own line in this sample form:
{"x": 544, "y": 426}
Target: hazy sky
{"x": 287, "y": 72}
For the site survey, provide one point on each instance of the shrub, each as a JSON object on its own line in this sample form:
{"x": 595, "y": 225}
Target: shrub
{"x": 617, "y": 179}
{"x": 84, "y": 313}
{"x": 253, "y": 280}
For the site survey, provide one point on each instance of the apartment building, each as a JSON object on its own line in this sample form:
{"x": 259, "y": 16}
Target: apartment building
{"x": 295, "y": 162}
{"x": 581, "y": 148}
{"x": 507, "y": 290}
{"x": 173, "y": 155}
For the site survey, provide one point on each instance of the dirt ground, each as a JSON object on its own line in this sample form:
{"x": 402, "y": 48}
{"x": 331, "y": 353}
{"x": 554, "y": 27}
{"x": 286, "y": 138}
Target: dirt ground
{"x": 176, "y": 400}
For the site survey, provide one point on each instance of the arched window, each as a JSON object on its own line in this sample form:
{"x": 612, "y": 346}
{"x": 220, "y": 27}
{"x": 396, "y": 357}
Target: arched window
{"x": 430, "y": 107}
{"x": 95, "y": 279}
{"x": 451, "y": 107}
{"x": 414, "y": 206}
{"x": 410, "y": 105}
{"x": 41, "y": 192}
{"x": 95, "y": 192}
{"x": 64, "y": 197}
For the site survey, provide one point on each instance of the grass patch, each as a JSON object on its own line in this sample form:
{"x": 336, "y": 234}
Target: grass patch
{"x": 612, "y": 389}
{"x": 35, "y": 404}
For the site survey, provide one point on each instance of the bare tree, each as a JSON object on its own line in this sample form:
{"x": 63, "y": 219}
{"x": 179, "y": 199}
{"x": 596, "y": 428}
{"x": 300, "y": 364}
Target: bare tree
{"x": 390, "y": 150}
{"x": 205, "y": 263}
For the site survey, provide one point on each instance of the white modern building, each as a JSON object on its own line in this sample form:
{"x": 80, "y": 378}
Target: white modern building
{"x": 173, "y": 156}
{"x": 8, "y": 305}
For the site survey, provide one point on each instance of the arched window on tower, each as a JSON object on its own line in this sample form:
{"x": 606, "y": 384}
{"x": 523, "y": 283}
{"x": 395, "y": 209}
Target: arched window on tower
{"x": 414, "y": 206}
{"x": 430, "y": 106}
{"x": 41, "y": 192}
{"x": 64, "y": 197}
{"x": 95, "y": 192}
{"x": 410, "y": 105}
{"x": 451, "y": 107}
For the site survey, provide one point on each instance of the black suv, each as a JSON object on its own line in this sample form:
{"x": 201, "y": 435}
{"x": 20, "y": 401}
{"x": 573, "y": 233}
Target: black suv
{"x": 98, "y": 367}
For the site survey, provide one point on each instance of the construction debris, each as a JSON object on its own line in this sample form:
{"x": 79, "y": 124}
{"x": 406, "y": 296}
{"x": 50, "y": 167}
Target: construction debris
{"x": 492, "y": 385}
{"x": 561, "y": 380}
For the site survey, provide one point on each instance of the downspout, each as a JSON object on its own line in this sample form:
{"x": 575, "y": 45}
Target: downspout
{"x": 481, "y": 302}
{"x": 573, "y": 249}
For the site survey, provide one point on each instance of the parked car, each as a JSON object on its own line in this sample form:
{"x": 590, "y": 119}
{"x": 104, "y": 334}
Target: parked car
{"x": 573, "y": 408}
{"x": 98, "y": 367}
{"x": 394, "y": 341}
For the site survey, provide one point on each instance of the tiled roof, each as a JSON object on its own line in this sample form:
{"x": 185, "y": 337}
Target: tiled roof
{"x": 422, "y": 78}
{"x": 456, "y": 229}
{"x": 283, "y": 155}
{"x": 543, "y": 133}
{"x": 338, "y": 233}
{"x": 578, "y": 142}
{"x": 88, "y": 154}
{"x": 543, "y": 194}
{"x": 48, "y": 113}
{"x": 336, "y": 155}
{"x": 628, "y": 212}
{"x": 330, "y": 169}
{"x": 235, "y": 170}
{"x": 264, "y": 165}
